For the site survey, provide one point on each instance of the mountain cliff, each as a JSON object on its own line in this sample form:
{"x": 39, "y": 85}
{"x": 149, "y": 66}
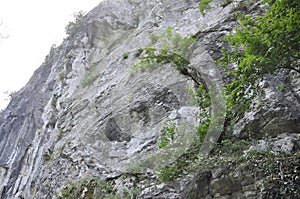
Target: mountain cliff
{"x": 88, "y": 123}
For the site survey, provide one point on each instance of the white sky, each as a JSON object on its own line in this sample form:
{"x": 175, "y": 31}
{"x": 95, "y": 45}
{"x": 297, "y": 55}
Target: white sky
{"x": 33, "y": 26}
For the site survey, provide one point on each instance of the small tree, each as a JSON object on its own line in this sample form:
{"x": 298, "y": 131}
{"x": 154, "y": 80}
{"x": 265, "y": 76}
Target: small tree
{"x": 204, "y": 5}
{"x": 72, "y": 24}
{"x": 262, "y": 45}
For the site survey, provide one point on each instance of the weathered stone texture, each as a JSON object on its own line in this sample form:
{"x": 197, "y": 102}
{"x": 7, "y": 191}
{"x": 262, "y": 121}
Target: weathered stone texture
{"x": 85, "y": 111}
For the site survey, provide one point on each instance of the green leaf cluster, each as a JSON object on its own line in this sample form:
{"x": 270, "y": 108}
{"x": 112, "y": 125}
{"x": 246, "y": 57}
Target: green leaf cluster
{"x": 168, "y": 134}
{"x": 262, "y": 45}
{"x": 204, "y": 5}
{"x": 95, "y": 188}
{"x": 167, "y": 47}
{"x": 203, "y": 100}
{"x": 125, "y": 55}
{"x": 180, "y": 167}
{"x": 90, "y": 75}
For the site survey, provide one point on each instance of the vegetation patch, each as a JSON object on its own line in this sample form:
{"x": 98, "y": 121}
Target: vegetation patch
{"x": 276, "y": 173}
{"x": 72, "y": 24}
{"x": 204, "y": 5}
{"x": 87, "y": 188}
{"x": 281, "y": 178}
{"x": 164, "y": 48}
{"x": 90, "y": 76}
{"x": 168, "y": 134}
{"x": 263, "y": 45}
{"x": 125, "y": 55}
{"x": 95, "y": 188}
{"x": 180, "y": 167}
{"x": 60, "y": 133}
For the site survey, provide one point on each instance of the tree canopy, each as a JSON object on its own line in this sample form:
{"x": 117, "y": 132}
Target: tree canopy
{"x": 264, "y": 44}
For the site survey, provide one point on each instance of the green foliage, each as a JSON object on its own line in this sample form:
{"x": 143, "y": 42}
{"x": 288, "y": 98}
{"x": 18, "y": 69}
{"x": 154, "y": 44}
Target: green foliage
{"x": 262, "y": 45}
{"x": 131, "y": 192}
{"x": 202, "y": 98}
{"x": 225, "y": 155}
{"x": 139, "y": 52}
{"x": 180, "y": 167}
{"x": 226, "y": 142}
{"x": 60, "y": 133}
{"x": 72, "y": 24}
{"x": 203, "y": 128}
{"x": 233, "y": 148}
{"x": 93, "y": 186}
{"x": 164, "y": 48}
{"x": 204, "y": 5}
{"x": 169, "y": 47}
{"x": 171, "y": 172}
{"x": 168, "y": 134}
{"x": 125, "y": 55}
{"x": 96, "y": 188}
{"x": 276, "y": 173}
{"x": 90, "y": 76}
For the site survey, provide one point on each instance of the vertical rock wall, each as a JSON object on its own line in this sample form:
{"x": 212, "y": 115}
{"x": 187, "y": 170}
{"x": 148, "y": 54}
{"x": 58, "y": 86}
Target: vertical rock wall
{"x": 86, "y": 112}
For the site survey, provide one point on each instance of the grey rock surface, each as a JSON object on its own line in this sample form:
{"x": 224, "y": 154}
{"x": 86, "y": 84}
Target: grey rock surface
{"x": 86, "y": 112}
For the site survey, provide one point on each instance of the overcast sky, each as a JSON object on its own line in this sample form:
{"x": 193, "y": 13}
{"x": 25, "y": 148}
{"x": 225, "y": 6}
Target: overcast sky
{"x": 32, "y": 26}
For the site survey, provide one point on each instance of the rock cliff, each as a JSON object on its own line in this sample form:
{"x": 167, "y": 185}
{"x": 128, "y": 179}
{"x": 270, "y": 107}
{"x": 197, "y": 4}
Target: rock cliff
{"x": 86, "y": 120}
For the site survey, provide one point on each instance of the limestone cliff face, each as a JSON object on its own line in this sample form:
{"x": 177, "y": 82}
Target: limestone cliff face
{"x": 86, "y": 112}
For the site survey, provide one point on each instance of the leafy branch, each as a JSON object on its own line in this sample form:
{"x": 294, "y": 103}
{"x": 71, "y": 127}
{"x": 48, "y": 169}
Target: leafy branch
{"x": 263, "y": 45}
{"x": 165, "y": 48}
